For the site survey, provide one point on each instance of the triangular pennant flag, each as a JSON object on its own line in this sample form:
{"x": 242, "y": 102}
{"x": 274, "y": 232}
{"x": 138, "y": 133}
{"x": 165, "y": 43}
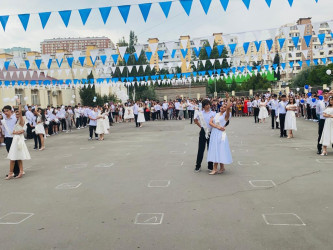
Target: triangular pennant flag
{"x": 38, "y": 63}
{"x": 257, "y": 44}
{"x": 70, "y": 61}
{"x": 290, "y": 2}
{"x": 224, "y": 4}
{"x": 197, "y": 51}
{"x": 228, "y": 60}
{"x": 203, "y": 62}
{"x": 161, "y": 66}
{"x": 59, "y": 62}
{"x": 247, "y": 3}
{"x": 281, "y": 42}
{"x": 165, "y": 6}
{"x": 24, "y": 18}
{"x": 136, "y": 56}
{"x": 205, "y": 5}
{"x": 308, "y": 62}
{"x": 208, "y": 51}
{"x": 153, "y": 47}
{"x": 220, "y": 49}
{"x": 315, "y": 61}
{"x": 82, "y": 60}
{"x": 149, "y": 55}
{"x": 122, "y": 51}
{"x": 283, "y": 65}
{"x": 307, "y": 40}
{"x": 129, "y": 68}
{"x": 31, "y": 73}
{"x": 197, "y": 43}
{"x": 27, "y": 64}
{"x": 124, "y": 11}
{"x": 24, "y": 74}
{"x": 160, "y": 54}
{"x": 65, "y": 16}
{"x": 301, "y": 29}
{"x": 324, "y": 60}
{"x": 76, "y": 55}
{"x": 211, "y": 40}
{"x": 84, "y": 14}
{"x": 291, "y": 64}
{"x": 246, "y": 46}
{"x": 300, "y": 63}
{"x": 305, "y": 53}
{"x": 212, "y": 61}
{"x": 195, "y": 64}
{"x": 145, "y": 8}
{"x": 4, "y": 20}
{"x": 93, "y": 55}
{"x": 169, "y": 46}
{"x": 269, "y": 44}
{"x": 74, "y": 72}
{"x": 11, "y": 73}
{"x": 184, "y": 52}
{"x": 321, "y": 38}
{"x": 186, "y": 4}
{"x": 105, "y": 12}
{"x": 121, "y": 68}
{"x": 44, "y": 18}
{"x": 286, "y": 31}
{"x": 232, "y": 47}
{"x": 138, "y": 48}
{"x": 17, "y": 61}
{"x": 268, "y": 3}
{"x": 184, "y": 43}
{"x": 115, "y": 58}
{"x": 66, "y": 72}
{"x": 126, "y": 57}
{"x": 103, "y": 58}
{"x": 272, "y": 55}
{"x": 316, "y": 27}
{"x": 295, "y": 40}
{"x": 144, "y": 67}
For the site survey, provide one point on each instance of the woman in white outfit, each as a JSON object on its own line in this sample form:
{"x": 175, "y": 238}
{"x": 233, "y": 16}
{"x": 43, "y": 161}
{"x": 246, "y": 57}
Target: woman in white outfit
{"x": 141, "y": 116}
{"x": 39, "y": 129}
{"x": 106, "y": 120}
{"x": 263, "y": 113}
{"x": 18, "y": 150}
{"x": 219, "y": 150}
{"x": 100, "y": 128}
{"x": 290, "y": 121}
{"x": 327, "y": 135}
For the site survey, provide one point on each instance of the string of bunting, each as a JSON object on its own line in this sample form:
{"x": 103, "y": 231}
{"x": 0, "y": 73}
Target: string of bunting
{"x": 124, "y": 11}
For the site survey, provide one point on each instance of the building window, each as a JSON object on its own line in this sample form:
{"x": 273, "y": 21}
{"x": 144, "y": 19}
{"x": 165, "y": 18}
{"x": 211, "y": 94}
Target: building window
{"x": 34, "y": 97}
{"x": 19, "y": 93}
{"x": 49, "y": 98}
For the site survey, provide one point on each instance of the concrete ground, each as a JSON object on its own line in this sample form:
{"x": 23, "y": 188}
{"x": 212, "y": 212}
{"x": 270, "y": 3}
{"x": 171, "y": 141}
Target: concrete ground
{"x": 137, "y": 190}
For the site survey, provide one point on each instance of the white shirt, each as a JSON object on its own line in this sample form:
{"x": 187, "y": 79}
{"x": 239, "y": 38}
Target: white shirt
{"x": 10, "y": 122}
{"x": 177, "y": 104}
{"x": 165, "y": 106}
{"x": 255, "y": 103}
{"x": 93, "y": 115}
{"x": 135, "y": 109}
{"x": 207, "y": 116}
{"x": 321, "y": 106}
{"x": 273, "y": 104}
{"x": 282, "y": 107}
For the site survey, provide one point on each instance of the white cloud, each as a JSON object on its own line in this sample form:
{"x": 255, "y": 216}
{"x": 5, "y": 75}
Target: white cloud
{"x": 236, "y": 19}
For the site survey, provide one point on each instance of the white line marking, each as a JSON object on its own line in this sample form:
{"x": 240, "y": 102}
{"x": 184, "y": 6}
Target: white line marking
{"x": 269, "y": 183}
{"x": 159, "y": 183}
{"x": 156, "y": 217}
{"x": 80, "y": 165}
{"x": 325, "y": 161}
{"x": 178, "y": 152}
{"x": 18, "y": 222}
{"x": 250, "y": 163}
{"x": 282, "y": 224}
{"x": 87, "y": 148}
{"x": 71, "y": 185}
{"x": 104, "y": 165}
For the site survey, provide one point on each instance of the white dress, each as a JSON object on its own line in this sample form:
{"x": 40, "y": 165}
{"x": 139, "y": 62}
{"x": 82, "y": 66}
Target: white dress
{"x": 106, "y": 123}
{"x": 327, "y": 135}
{"x": 263, "y": 113}
{"x": 100, "y": 128}
{"x": 18, "y": 149}
{"x": 219, "y": 150}
{"x": 128, "y": 113}
{"x": 141, "y": 116}
{"x": 290, "y": 122}
{"x": 39, "y": 129}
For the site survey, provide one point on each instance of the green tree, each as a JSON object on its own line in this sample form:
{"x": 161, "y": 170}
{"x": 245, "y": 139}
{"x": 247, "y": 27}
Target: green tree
{"x": 277, "y": 62}
{"x": 87, "y": 94}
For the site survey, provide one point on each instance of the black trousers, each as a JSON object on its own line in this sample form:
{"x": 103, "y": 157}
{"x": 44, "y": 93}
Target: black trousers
{"x": 177, "y": 113}
{"x": 37, "y": 140}
{"x": 29, "y": 131}
{"x": 63, "y": 124}
{"x": 84, "y": 121}
{"x": 8, "y": 142}
{"x": 201, "y": 150}
{"x": 273, "y": 114}
{"x": 302, "y": 111}
{"x": 165, "y": 115}
{"x": 78, "y": 122}
{"x": 321, "y": 124}
{"x": 147, "y": 116}
{"x": 92, "y": 129}
{"x": 308, "y": 111}
{"x": 158, "y": 115}
{"x": 136, "y": 120}
{"x": 256, "y": 114}
{"x": 191, "y": 114}
{"x": 282, "y": 118}
{"x": 314, "y": 114}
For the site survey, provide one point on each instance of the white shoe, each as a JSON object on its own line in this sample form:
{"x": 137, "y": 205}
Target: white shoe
{"x": 3, "y": 144}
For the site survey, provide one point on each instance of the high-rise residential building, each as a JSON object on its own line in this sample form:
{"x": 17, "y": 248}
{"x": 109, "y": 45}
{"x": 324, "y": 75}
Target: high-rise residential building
{"x": 50, "y": 46}
{"x": 16, "y": 51}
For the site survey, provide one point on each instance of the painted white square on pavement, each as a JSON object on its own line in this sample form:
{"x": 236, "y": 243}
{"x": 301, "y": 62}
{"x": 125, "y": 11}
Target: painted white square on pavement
{"x": 283, "y": 219}
{"x": 248, "y": 163}
{"x": 104, "y": 165}
{"x": 149, "y": 218}
{"x": 177, "y": 152}
{"x": 262, "y": 183}
{"x": 71, "y": 185}
{"x": 80, "y": 165}
{"x": 159, "y": 183}
{"x": 174, "y": 164}
{"x": 14, "y": 218}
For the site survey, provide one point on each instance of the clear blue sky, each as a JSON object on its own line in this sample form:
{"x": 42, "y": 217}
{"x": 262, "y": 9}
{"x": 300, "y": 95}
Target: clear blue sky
{"x": 236, "y": 19}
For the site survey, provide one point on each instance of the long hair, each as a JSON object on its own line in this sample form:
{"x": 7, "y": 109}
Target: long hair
{"x": 43, "y": 114}
{"x": 329, "y": 102}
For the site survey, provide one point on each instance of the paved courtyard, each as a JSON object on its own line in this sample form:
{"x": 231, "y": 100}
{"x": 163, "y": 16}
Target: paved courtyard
{"x": 137, "y": 190}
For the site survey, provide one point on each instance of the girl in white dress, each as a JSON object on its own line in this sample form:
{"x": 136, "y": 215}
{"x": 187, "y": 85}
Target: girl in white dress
{"x": 106, "y": 120}
{"x": 128, "y": 115}
{"x": 141, "y": 116}
{"x": 18, "y": 150}
{"x": 100, "y": 128}
{"x": 263, "y": 113}
{"x": 327, "y": 135}
{"x": 290, "y": 121}
{"x": 39, "y": 129}
{"x": 219, "y": 150}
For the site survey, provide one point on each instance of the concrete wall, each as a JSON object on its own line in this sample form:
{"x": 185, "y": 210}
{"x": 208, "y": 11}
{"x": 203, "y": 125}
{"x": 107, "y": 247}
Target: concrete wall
{"x": 172, "y": 92}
